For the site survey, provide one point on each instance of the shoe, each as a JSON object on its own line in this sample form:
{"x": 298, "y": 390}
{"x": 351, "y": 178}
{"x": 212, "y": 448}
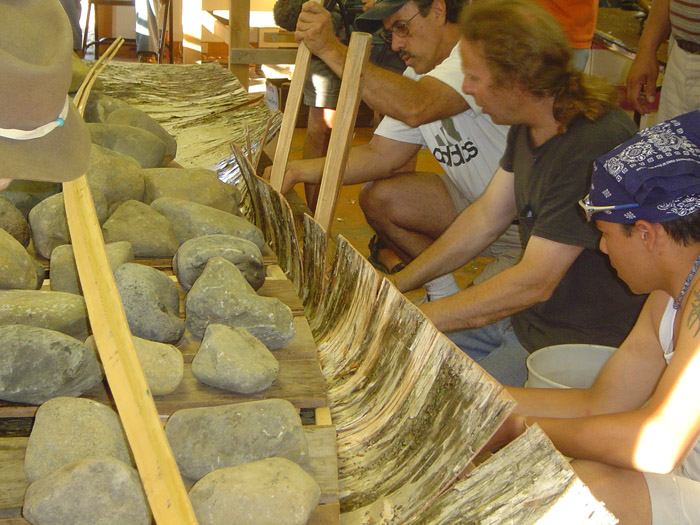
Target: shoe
{"x": 421, "y": 300}
{"x": 148, "y": 57}
{"x": 375, "y": 245}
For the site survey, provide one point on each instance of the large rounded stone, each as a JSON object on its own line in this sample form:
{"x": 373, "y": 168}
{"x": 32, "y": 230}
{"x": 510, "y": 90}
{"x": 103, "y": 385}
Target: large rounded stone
{"x": 119, "y": 177}
{"x": 63, "y": 270}
{"x": 194, "y": 184}
{"x": 162, "y": 364}
{"x": 37, "y": 364}
{"x": 99, "y": 106}
{"x": 94, "y": 490}
{"x": 151, "y": 302}
{"x": 232, "y": 359}
{"x": 14, "y": 223}
{"x": 193, "y": 255}
{"x": 142, "y": 145}
{"x": 257, "y": 493}
{"x": 210, "y": 438}
{"x": 190, "y": 220}
{"x": 60, "y": 311}
{"x": 69, "y": 429}
{"x": 131, "y": 116}
{"x": 50, "y": 225}
{"x": 40, "y": 272}
{"x": 16, "y": 265}
{"x": 221, "y": 295}
{"x": 149, "y": 233}
{"x": 25, "y": 194}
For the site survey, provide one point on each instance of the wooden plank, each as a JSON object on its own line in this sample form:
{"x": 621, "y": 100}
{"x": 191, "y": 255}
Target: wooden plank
{"x": 289, "y": 120}
{"x": 156, "y": 465}
{"x": 299, "y": 381}
{"x": 239, "y": 32}
{"x": 262, "y": 56}
{"x": 13, "y": 481}
{"x": 323, "y": 460}
{"x": 301, "y": 348}
{"x": 322, "y": 465}
{"x": 343, "y": 125}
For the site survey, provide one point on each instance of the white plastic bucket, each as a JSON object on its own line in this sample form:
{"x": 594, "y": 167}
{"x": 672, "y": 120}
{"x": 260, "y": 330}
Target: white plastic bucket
{"x": 566, "y": 366}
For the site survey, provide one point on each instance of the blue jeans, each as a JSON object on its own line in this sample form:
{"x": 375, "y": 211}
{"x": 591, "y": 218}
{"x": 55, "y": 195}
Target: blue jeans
{"x": 496, "y": 349}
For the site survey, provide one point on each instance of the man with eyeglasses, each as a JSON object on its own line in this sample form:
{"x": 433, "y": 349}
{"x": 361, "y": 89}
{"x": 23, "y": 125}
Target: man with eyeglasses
{"x": 424, "y": 107}
{"x": 634, "y": 433}
{"x": 517, "y": 65}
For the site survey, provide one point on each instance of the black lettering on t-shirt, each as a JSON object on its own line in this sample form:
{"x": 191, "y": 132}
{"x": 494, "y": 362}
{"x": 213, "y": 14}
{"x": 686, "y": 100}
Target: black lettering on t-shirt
{"x": 456, "y": 154}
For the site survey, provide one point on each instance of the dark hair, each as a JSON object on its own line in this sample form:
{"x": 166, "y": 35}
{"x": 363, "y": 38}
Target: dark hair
{"x": 452, "y": 8}
{"x": 522, "y": 43}
{"x": 683, "y": 230}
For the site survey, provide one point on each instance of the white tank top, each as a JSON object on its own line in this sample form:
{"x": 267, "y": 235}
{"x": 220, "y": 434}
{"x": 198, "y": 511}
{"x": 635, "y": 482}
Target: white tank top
{"x": 691, "y": 466}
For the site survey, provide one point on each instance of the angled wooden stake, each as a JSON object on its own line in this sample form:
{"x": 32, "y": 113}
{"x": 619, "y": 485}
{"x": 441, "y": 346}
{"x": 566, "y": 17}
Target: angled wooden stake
{"x": 155, "y": 461}
{"x": 341, "y": 135}
{"x": 289, "y": 120}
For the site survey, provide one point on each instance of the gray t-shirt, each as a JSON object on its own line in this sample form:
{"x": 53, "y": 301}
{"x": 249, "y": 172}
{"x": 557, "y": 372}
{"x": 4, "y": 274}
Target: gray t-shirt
{"x": 590, "y": 304}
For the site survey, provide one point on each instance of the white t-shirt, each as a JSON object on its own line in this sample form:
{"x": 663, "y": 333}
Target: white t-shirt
{"x": 468, "y": 146}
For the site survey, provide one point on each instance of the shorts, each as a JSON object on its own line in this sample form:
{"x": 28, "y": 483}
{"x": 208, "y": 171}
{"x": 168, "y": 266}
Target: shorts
{"x": 675, "y": 498}
{"x": 322, "y": 86}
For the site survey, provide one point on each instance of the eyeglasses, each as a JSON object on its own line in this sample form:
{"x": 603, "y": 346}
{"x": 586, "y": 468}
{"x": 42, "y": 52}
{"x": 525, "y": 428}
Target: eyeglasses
{"x": 398, "y": 28}
{"x": 585, "y": 203}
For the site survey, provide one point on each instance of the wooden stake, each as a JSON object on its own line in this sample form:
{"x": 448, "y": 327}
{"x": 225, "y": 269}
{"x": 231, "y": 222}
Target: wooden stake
{"x": 155, "y": 461}
{"x": 341, "y": 135}
{"x": 291, "y": 111}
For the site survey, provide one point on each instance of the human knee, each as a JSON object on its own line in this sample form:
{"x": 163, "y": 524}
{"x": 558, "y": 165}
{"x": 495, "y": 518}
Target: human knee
{"x": 376, "y": 201}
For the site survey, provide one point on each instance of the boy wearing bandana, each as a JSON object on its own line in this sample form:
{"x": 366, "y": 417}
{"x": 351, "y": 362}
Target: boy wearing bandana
{"x": 634, "y": 434}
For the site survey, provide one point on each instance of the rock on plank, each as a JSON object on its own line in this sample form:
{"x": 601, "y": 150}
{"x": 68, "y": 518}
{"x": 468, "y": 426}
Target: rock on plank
{"x": 209, "y": 438}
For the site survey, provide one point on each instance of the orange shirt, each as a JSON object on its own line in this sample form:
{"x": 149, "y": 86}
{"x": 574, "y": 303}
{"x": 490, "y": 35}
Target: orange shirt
{"x": 577, "y": 17}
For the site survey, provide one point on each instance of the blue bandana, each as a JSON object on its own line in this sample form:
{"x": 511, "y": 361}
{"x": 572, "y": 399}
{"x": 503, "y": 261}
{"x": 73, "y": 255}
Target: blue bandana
{"x": 657, "y": 171}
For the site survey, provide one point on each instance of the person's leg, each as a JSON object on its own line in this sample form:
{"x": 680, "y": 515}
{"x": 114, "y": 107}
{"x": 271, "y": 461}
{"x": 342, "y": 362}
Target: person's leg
{"x": 624, "y": 492}
{"x": 147, "y": 28}
{"x": 496, "y": 349}
{"x": 408, "y": 211}
{"x": 321, "y": 90}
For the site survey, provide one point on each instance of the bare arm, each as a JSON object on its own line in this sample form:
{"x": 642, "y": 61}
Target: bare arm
{"x": 529, "y": 282}
{"x": 385, "y": 91}
{"x": 378, "y": 159}
{"x": 641, "y": 79}
{"x": 650, "y": 412}
{"x": 473, "y": 230}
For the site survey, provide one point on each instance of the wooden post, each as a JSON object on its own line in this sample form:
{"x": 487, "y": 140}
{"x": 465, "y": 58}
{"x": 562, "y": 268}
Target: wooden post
{"x": 341, "y": 135}
{"x": 191, "y": 31}
{"x": 291, "y": 111}
{"x": 239, "y": 35}
{"x": 154, "y": 459}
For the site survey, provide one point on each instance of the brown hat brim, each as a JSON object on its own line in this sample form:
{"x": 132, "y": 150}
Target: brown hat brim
{"x": 60, "y": 156}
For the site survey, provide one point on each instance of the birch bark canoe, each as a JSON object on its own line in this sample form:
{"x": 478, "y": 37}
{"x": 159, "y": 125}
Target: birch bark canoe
{"x": 527, "y": 482}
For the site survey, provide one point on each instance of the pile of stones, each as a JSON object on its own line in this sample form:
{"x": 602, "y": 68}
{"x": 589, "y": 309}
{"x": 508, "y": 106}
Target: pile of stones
{"x": 48, "y": 358}
{"x": 244, "y": 464}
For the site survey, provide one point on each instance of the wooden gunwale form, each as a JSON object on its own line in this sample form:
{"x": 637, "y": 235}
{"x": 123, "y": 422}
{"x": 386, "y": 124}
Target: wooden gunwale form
{"x": 408, "y": 431}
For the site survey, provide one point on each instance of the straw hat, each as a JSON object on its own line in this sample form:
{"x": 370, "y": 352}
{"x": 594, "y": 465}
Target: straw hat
{"x": 35, "y": 73}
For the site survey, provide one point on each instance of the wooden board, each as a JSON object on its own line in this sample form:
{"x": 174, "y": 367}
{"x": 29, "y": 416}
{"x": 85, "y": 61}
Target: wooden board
{"x": 322, "y": 466}
{"x": 299, "y": 381}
